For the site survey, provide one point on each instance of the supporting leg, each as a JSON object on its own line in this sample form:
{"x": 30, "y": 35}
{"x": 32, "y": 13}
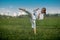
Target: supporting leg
{"x": 33, "y": 22}
{"x": 35, "y": 30}
{"x": 34, "y": 26}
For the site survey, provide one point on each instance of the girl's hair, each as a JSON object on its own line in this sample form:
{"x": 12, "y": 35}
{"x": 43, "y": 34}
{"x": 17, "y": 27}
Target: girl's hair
{"x": 43, "y": 10}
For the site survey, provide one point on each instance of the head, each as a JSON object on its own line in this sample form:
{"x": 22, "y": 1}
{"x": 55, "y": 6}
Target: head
{"x": 43, "y": 10}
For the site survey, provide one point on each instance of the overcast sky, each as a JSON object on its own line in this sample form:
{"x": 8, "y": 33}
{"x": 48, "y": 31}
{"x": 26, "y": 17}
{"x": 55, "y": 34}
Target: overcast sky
{"x": 52, "y": 6}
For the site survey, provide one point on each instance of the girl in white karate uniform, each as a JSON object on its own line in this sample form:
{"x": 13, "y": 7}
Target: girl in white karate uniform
{"x": 32, "y": 17}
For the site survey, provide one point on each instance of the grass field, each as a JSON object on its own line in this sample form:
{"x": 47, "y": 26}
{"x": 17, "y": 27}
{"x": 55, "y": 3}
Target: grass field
{"x": 20, "y": 29}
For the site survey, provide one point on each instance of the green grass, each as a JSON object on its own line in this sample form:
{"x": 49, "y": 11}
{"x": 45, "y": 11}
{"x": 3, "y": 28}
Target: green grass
{"x": 20, "y": 29}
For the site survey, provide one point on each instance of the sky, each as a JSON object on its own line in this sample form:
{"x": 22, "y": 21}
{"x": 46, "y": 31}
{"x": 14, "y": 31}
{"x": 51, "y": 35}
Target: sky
{"x": 52, "y": 6}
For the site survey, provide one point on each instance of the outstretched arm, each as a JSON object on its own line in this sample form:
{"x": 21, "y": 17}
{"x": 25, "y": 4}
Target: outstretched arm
{"x": 29, "y": 14}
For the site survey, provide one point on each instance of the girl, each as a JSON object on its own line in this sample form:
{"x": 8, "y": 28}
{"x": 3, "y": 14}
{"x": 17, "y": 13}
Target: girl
{"x": 32, "y": 17}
